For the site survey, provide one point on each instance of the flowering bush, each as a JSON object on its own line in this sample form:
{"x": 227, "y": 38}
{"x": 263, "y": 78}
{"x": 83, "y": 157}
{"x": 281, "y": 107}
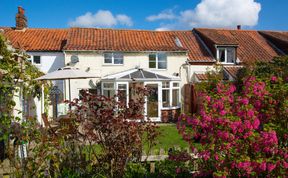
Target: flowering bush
{"x": 237, "y": 131}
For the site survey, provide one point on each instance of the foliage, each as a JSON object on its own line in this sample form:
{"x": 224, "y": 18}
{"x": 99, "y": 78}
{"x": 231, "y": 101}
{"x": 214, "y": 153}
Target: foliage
{"x": 241, "y": 127}
{"x": 16, "y": 78}
{"x": 98, "y": 139}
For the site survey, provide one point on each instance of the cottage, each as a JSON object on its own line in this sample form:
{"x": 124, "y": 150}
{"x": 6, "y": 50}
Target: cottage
{"x": 166, "y": 61}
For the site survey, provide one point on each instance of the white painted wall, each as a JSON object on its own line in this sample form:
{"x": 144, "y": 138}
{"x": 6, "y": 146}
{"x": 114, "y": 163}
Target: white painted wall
{"x": 93, "y": 62}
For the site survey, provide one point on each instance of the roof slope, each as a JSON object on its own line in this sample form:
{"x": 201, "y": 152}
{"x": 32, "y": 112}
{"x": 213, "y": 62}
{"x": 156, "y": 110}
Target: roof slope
{"x": 136, "y": 40}
{"x": 251, "y": 45}
{"x": 233, "y": 70}
{"x": 279, "y": 39}
{"x": 37, "y": 39}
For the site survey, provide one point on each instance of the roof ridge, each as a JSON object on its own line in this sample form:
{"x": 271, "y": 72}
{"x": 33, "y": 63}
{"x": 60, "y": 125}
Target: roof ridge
{"x": 122, "y": 29}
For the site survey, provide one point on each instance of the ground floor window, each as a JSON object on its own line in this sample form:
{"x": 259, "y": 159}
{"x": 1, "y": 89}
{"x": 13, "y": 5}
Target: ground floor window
{"x": 108, "y": 89}
{"x": 170, "y": 94}
{"x": 122, "y": 92}
{"x": 166, "y": 94}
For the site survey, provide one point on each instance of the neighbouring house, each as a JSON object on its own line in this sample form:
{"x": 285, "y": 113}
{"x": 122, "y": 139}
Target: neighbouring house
{"x": 169, "y": 62}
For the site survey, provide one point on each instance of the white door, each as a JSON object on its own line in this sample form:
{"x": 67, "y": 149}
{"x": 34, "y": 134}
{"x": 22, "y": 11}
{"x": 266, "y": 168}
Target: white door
{"x": 153, "y": 101}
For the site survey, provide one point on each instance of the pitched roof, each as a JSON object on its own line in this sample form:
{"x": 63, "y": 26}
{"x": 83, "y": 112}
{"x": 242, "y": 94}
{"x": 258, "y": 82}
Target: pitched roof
{"x": 251, "y": 45}
{"x": 279, "y": 39}
{"x": 37, "y": 39}
{"x": 201, "y": 77}
{"x": 136, "y": 40}
{"x": 138, "y": 74}
{"x": 232, "y": 70}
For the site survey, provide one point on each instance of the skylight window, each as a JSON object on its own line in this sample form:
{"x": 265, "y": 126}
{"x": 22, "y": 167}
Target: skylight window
{"x": 178, "y": 42}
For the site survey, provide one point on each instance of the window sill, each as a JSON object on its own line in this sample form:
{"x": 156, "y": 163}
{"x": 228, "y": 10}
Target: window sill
{"x": 112, "y": 64}
{"x": 158, "y": 69}
{"x": 170, "y": 108}
{"x": 227, "y": 63}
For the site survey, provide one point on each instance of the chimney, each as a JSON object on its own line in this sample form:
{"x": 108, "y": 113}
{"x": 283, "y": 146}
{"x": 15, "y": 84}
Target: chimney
{"x": 21, "y": 20}
{"x": 238, "y": 27}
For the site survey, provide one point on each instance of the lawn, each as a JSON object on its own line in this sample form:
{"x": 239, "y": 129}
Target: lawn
{"x": 168, "y": 138}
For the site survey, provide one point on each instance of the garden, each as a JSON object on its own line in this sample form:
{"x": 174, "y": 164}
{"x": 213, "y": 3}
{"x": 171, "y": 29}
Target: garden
{"x": 239, "y": 130}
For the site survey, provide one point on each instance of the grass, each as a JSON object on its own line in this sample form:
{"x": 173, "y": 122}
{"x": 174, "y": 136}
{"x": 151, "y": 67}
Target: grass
{"x": 168, "y": 138}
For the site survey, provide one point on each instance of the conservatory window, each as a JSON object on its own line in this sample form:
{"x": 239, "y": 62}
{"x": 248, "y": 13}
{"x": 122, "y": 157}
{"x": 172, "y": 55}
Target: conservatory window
{"x": 166, "y": 94}
{"x": 123, "y": 92}
{"x": 108, "y": 89}
{"x": 170, "y": 94}
{"x": 175, "y": 94}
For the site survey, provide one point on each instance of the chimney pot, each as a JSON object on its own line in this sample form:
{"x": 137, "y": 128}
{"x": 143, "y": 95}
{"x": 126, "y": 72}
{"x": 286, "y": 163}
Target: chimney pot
{"x": 238, "y": 27}
{"x": 21, "y": 20}
{"x": 21, "y": 10}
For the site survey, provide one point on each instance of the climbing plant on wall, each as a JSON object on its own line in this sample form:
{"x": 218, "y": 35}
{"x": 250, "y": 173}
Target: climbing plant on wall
{"x": 16, "y": 75}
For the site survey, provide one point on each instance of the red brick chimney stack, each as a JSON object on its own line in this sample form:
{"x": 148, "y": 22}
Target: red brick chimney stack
{"x": 21, "y": 20}
{"x": 238, "y": 27}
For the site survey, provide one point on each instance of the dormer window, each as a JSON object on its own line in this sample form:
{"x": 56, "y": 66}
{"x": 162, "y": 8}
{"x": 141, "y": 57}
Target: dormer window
{"x": 226, "y": 55}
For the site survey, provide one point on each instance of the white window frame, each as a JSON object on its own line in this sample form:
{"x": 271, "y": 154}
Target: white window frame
{"x": 31, "y": 59}
{"x": 157, "y": 56}
{"x": 225, "y": 48}
{"x": 160, "y": 105}
{"x": 127, "y": 90}
{"x": 103, "y": 88}
{"x": 171, "y": 87}
{"x": 113, "y": 62}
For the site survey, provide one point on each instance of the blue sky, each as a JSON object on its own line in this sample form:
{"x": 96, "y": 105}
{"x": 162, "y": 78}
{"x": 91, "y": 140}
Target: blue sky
{"x": 149, "y": 14}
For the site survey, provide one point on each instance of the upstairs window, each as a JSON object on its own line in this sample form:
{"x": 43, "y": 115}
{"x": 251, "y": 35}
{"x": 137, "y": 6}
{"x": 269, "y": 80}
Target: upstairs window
{"x": 226, "y": 55}
{"x": 35, "y": 60}
{"x": 113, "y": 58}
{"x": 158, "y": 61}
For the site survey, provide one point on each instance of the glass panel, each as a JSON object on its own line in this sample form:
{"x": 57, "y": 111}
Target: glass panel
{"x": 175, "y": 84}
{"x": 175, "y": 97}
{"x": 162, "y": 61}
{"x": 162, "y": 65}
{"x": 118, "y": 58}
{"x": 165, "y": 85}
{"x": 37, "y": 60}
{"x": 122, "y": 93}
{"x": 165, "y": 98}
{"x": 152, "y": 61}
{"x": 221, "y": 55}
{"x": 230, "y": 55}
{"x": 108, "y": 93}
{"x": 108, "y": 58}
{"x": 152, "y": 100}
{"x": 118, "y": 61}
{"x": 108, "y": 85}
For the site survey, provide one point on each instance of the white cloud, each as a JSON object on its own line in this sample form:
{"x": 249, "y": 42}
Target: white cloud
{"x": 164, "y": 15}
{"x": 102, "y": 18}
{"x": 218, "y": 13}
{"x": 124, "y": 20}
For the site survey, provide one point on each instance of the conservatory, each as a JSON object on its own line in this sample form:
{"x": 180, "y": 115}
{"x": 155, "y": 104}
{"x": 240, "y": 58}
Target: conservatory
{"x": 163, "y": 102}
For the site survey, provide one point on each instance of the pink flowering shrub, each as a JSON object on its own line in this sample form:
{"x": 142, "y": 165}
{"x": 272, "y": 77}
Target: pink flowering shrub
{"x": 236, "y": 132}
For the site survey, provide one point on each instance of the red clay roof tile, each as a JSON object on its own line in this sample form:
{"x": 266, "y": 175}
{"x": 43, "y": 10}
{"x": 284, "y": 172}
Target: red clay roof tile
{"x": 36, "y": 39}
{"x": 279, "y": 39}
{"x": 232, "y": 70}
{"x": 136, "y": 40}
{"x": 251, "y": 45}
